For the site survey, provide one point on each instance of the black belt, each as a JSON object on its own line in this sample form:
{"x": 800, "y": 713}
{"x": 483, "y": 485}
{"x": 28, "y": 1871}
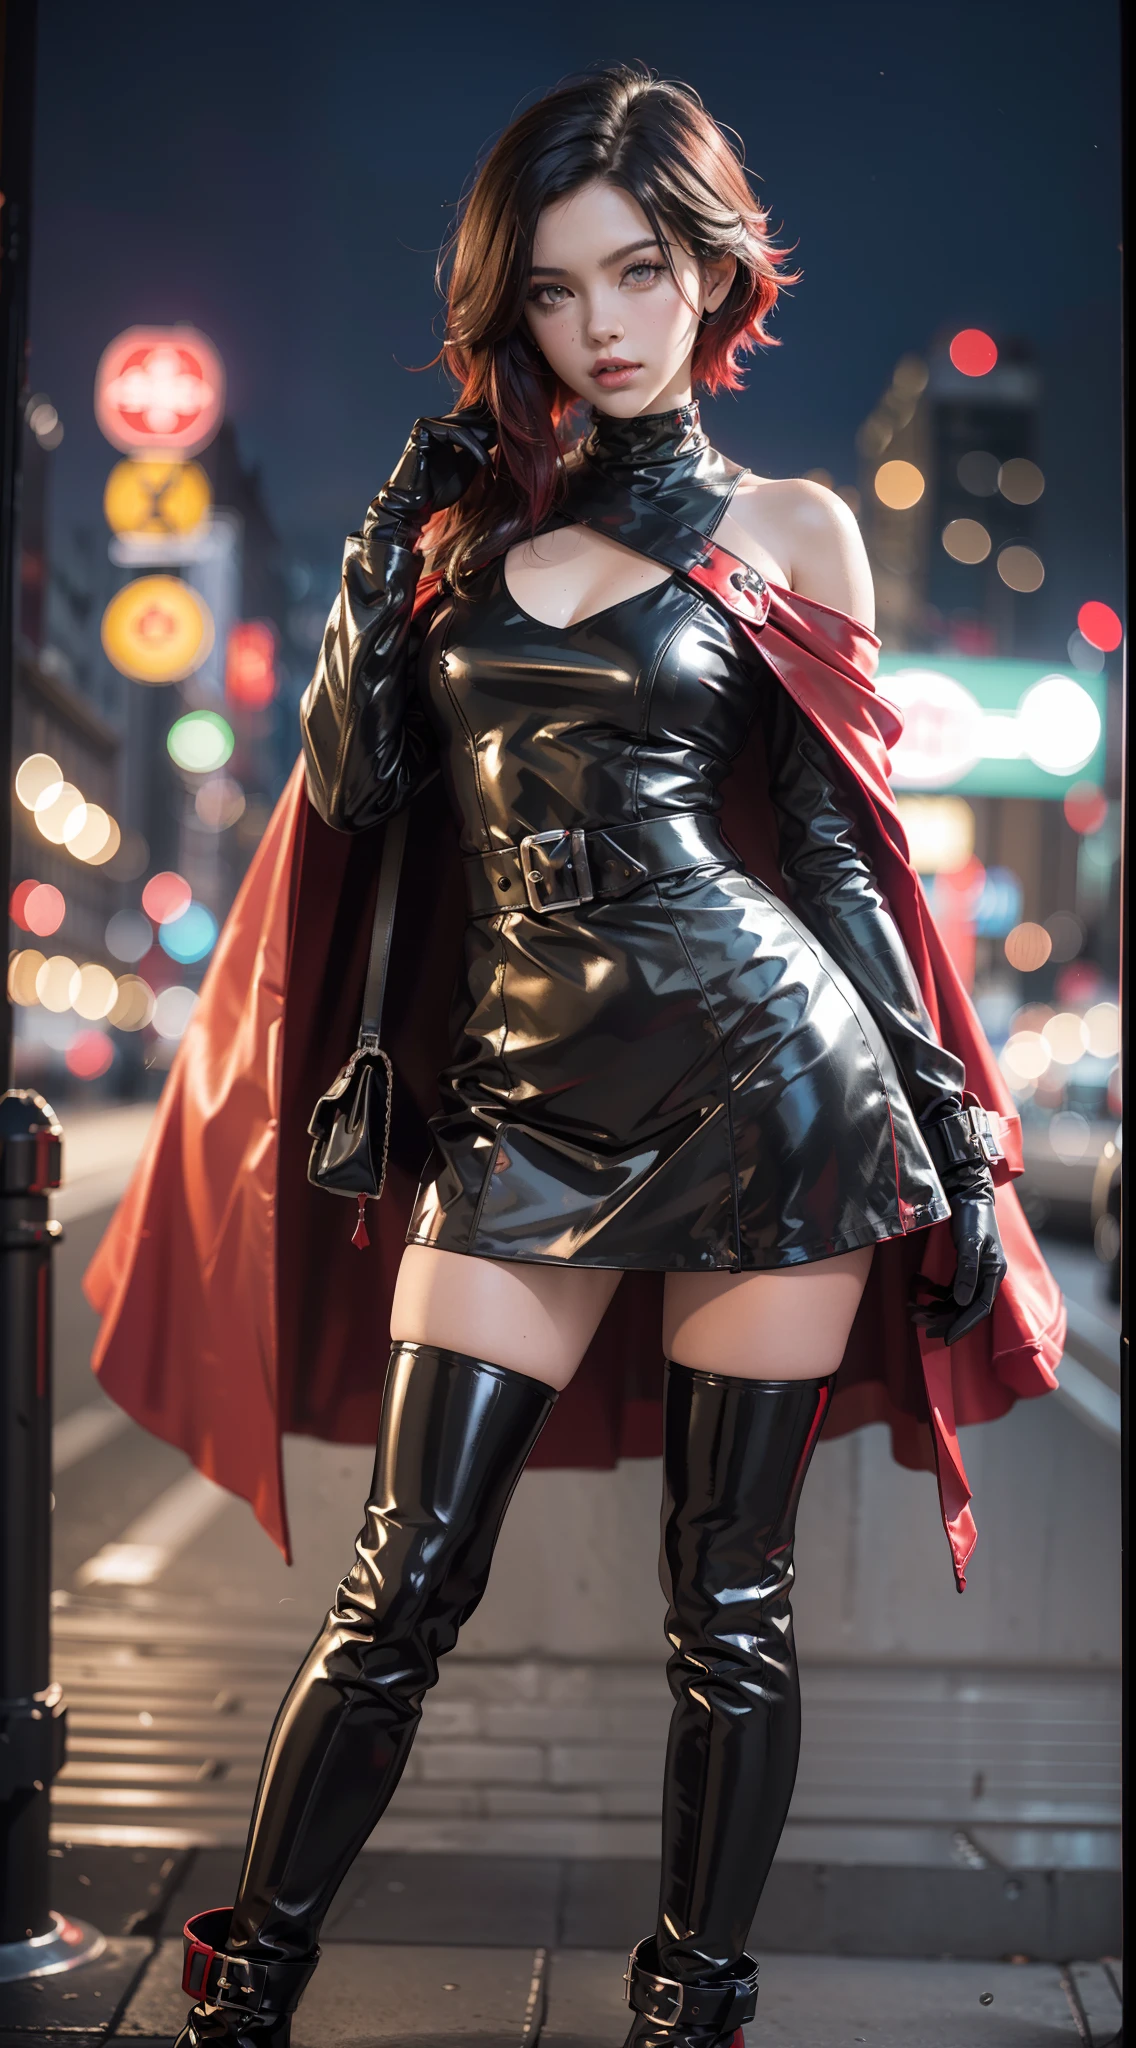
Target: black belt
{"x": 549, "y": 871}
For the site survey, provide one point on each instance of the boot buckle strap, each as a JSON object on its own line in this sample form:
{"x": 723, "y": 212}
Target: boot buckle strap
{"x": 215, "y": 1978}
{"x": 642, "y": 1993}
{"x": 240, "y": 1983}
{"x": 667, "y": 2001}
{"x": 198, "y": 1958}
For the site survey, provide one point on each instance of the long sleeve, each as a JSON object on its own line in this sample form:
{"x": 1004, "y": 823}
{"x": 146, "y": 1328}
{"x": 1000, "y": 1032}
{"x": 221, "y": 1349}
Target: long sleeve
{"x": 836, "y": 894}
{"x": 367, "y": 746}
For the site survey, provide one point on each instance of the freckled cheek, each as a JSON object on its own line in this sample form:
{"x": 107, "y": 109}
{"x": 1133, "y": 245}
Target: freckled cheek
{"x": 565, "y": 342}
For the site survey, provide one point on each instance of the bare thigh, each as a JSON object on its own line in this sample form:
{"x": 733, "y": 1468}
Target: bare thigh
{"x": 538, "y": 1320}
{"x": 791, "y": 1323}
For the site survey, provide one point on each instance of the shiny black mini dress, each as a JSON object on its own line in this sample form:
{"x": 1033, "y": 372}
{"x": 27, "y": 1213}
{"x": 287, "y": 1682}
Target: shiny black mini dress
{"x": 678, "y": 1077}
{"x": 659, "y": 1060}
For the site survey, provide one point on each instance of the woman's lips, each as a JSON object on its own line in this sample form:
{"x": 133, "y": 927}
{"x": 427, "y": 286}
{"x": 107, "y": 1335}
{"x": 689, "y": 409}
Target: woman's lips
{"x": 613, "y": 375}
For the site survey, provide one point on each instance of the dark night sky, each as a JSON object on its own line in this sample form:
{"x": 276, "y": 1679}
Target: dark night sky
{"x": 280, "y": 175}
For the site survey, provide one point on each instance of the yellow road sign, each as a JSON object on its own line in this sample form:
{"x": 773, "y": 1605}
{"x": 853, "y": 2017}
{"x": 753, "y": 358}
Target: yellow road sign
{"x": 156, "y": 497}
{"x": 157, "y": 630}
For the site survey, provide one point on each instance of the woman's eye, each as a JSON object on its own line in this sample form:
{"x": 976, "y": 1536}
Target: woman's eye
{"x": 636, "y": 274}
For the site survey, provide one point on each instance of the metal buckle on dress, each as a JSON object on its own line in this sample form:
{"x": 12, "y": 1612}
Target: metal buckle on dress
{"x": 536, "y": 876}
{"x": 751, "y": 585}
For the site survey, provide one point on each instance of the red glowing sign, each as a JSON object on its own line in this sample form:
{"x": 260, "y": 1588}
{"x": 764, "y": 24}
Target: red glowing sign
{"x": 1086, "y": 808}
{"x": 165, "y": 896}
{"x": 89, "y": 1054}
{"x": 973, "y": 352}
{"x": 44, "y": 910}
{"x": 37, "y": 907}
{"x": 160, "y": 388}
{"x": 1099, "y": 625}
{"x": 250, "y": 663}
{"x": 18, "y": 901}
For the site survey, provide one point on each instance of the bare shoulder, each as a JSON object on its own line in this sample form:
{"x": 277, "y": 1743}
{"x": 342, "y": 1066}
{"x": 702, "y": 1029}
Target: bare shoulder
{"x": 811, "y": 533}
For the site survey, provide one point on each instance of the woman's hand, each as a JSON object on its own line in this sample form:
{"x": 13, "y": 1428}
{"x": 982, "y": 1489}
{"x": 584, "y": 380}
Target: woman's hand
{"x": 952, "y": 1312}
{"x": 440, "y": 461}
{"x": 956, "y": 1144}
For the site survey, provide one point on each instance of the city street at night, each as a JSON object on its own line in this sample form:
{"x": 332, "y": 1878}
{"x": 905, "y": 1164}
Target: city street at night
{"x": 564, "y": 833}
{"x": 177, "y": 1627}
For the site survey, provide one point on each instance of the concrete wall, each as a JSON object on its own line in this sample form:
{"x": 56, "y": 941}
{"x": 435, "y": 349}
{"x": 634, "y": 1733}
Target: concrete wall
{"x": 576, "y": 1571}
{"x": 548, "y": 1727}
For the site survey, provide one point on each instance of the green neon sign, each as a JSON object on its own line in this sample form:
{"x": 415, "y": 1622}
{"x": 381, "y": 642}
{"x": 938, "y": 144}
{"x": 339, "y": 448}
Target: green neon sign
{"x": 975, "y": 727}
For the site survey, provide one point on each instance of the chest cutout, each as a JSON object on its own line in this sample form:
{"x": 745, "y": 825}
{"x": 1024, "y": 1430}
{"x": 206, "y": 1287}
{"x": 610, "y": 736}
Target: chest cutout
{"x": 564, "y": 578}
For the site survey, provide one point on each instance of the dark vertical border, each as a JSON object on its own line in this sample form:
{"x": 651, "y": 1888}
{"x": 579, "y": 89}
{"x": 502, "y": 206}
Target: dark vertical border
{"x": 17, "y": 113}
{"x": 1125, "y": 1062}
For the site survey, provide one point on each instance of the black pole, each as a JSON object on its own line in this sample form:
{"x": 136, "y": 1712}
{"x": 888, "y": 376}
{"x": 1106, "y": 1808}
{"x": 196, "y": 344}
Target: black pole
{"x": 17, "y": 104}
{"x": 31, "y": 1708}
{"x": 33, "y": 1939}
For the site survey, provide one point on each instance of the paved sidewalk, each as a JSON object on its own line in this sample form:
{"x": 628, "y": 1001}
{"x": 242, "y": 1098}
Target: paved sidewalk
{"x": 370, "y": 1995}
{"x": 503, "y": 1952}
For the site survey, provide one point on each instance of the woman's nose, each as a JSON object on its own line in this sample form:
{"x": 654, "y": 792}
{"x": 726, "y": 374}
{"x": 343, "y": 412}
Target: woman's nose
{"x": 604, "y": 323}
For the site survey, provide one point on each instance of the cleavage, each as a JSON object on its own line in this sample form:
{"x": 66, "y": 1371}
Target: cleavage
{"x": 570, "y": 575}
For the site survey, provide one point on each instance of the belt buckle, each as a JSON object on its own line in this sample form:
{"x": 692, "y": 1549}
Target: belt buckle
{"x": 534, "y": 876}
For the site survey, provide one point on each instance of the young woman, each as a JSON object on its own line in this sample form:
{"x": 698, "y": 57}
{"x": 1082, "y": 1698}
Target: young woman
{"x": 657, "y": 1064}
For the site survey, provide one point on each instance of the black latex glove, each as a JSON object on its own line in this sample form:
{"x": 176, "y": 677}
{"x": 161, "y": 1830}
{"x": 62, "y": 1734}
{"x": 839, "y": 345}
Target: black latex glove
{"x": 952, "y": 1312}
{"x": 366, "y": 747}
{"x": 439, "y": 462}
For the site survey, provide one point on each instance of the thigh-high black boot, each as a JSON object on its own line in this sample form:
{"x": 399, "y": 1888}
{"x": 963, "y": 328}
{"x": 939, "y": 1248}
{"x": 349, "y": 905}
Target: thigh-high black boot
{"x": 735, "y": 1456}
{"x": 453, "y": 1439}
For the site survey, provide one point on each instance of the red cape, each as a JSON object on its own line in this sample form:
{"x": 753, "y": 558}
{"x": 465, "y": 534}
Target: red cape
{"x": 234, "y": 1305}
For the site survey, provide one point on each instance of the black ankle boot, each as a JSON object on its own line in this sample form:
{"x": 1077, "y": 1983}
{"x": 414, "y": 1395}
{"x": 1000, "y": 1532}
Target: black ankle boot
{"x": 735, "y": 1457}
{"x": 454, "y": 1436}
{"x": 245, "y": 2004}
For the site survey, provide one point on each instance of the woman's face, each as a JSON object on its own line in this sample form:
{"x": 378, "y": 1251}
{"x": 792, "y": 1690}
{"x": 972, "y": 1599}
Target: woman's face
{"x": 605, "y": 311}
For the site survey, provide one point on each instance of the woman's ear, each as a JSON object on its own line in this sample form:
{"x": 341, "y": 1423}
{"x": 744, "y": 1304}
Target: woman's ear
{"x": 717, "y": 277}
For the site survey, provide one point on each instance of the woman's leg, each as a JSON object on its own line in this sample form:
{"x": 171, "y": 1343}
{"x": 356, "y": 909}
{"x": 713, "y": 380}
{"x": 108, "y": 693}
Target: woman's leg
{"x": 533, "y": 1319}
{"x": 790, "y": 1323}
{"x": 745, "y": 1399}
{"x": 480, "y": 1352}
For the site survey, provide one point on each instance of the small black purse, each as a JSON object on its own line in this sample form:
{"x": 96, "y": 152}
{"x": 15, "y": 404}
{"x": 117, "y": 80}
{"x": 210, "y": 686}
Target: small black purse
{"x": 351, "y": 1123}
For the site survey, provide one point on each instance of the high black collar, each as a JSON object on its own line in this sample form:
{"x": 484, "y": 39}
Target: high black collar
{"x": 622, "y": 447}
{"x": 661, "y": 456}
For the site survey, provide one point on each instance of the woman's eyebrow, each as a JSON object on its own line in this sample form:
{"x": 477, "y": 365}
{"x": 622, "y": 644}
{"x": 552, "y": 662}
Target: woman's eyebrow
{"x": 617, "y": 256}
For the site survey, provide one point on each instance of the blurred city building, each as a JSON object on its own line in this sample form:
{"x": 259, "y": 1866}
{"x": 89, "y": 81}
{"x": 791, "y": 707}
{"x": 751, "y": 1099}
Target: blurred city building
{"x": 160, "y": 661}
{"x": 1008, "y": 772}
{"x": 949, "y": 485}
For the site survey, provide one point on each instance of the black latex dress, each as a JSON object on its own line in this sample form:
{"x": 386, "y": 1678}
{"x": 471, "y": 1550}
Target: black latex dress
{"x": 683, "y": 1073}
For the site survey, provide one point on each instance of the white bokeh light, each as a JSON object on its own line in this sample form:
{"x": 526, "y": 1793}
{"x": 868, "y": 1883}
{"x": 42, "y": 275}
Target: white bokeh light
{"x": 1060, "y": 725}
{"x": 173, "y": 1010}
